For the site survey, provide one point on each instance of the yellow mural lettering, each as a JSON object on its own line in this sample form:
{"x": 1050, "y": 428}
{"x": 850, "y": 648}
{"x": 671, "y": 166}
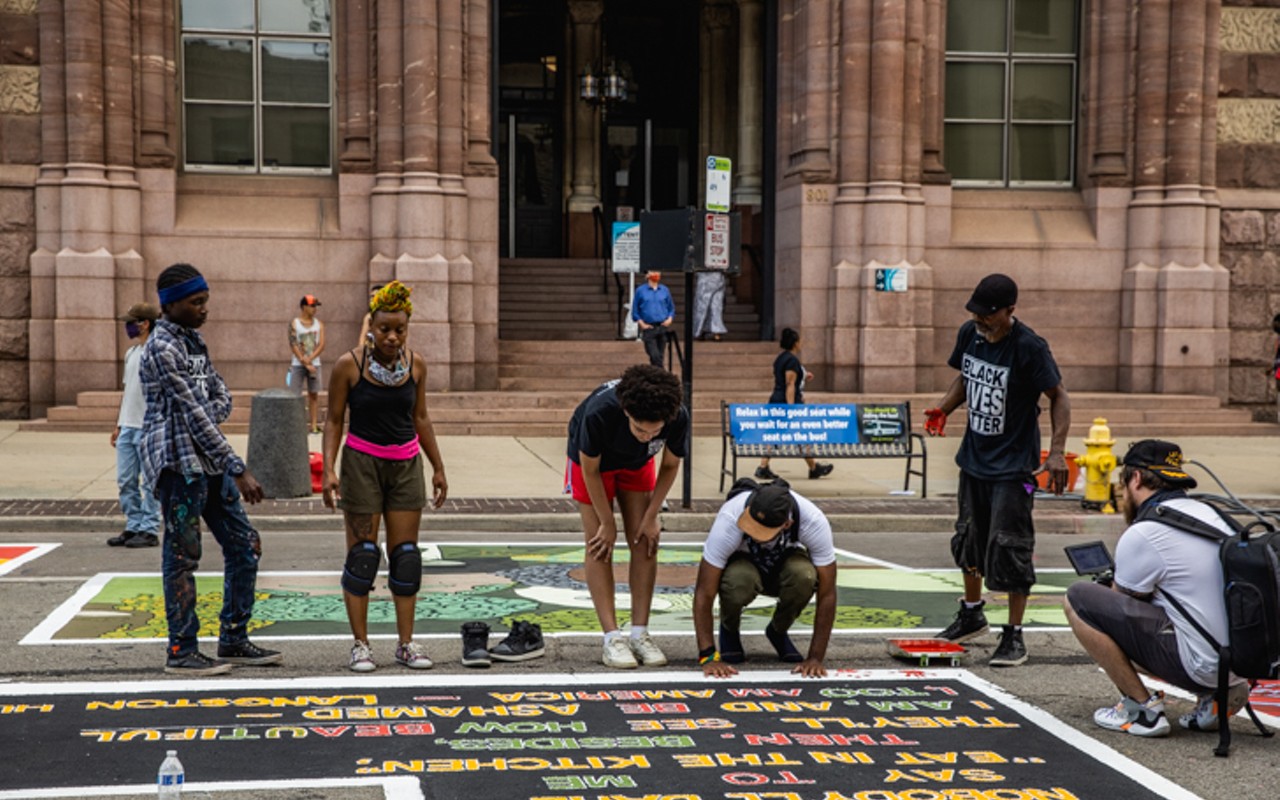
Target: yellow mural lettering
{"x": 22, "y": 708}
{"x": 841, "y": 758}
{"x": 925, "y": 758}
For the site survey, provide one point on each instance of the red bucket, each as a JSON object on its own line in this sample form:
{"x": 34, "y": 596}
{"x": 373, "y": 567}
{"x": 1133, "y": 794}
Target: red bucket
{"x": 1073, "y": 472}
{"x": 317, "y": 472}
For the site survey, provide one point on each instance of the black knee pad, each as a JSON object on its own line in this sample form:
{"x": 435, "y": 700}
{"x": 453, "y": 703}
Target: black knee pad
{"x": 405, "y": 573}
{"x": 361, "y": 568}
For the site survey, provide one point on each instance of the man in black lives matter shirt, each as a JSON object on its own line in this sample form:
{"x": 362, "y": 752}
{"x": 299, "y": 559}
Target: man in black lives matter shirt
{"x": 1004, "y": 368}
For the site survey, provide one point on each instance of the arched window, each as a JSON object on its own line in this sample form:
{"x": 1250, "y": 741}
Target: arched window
{"x": 1012, "y": 72}
{"x": 257, "y": 85}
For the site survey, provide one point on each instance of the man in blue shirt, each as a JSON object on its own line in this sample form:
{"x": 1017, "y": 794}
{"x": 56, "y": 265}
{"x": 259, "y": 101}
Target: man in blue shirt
{"x": 653, "y": 310}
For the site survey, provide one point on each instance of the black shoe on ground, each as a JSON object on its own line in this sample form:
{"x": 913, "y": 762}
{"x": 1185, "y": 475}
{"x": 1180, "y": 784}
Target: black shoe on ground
{"x": 731, "y": 651}
{"x": 765, "y": 474}
{"x": 820, "y": 471}
{"x": 969, "y": 622}
{"x": 195, "y": 664}
{"x": 122, "y": 539}
{"x": 782, "y": 644}
{"x": 143, "y": 540}
{"x": 523, "y": 643}
{"x": 475, "y": 645}
{"x": 248, "y": 654}
{"x": 1011, "y": 652}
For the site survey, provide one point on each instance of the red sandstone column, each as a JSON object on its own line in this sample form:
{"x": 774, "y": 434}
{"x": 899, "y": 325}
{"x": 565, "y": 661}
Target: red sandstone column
{"x": 390, "y": 79}
{"x": 1153, "y": 79}
{"x": 421, "y": 90}
{"x": 117, "y": 80}
{"x": 451, "y": 50}
{"x": 155, "y": 71}
{"x": 353, "y": 88}
{"x": 913, "y": 84}
{"x": 53, "y": 119}
{"x": 888, "y": 32}
{"x": 84, "y": 83}
{"x": 1110, "y": 84}
{"x": 1186, "y": 87}
{"x": 933, "y": 65}
{"x": 811, "y": 128}
{"x": 584, "y": 17}
{"x": 479, "y": 113}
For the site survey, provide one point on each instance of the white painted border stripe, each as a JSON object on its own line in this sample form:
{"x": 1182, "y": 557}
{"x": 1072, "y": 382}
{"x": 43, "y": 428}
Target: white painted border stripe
{"x": 36, "y": 551}
{"x": 63, "y": 614}
{"x": 399, "y": 787}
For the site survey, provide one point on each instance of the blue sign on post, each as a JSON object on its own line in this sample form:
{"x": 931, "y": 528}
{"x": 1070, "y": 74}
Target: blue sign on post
{"x": 831, "y": 423}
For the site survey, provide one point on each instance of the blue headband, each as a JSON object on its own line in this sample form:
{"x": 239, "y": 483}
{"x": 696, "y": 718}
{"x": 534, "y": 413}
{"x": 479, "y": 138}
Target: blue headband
{"x": 172, "y": 294}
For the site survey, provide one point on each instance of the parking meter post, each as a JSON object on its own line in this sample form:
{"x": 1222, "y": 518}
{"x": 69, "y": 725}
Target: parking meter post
{"x": 686, "y": 378}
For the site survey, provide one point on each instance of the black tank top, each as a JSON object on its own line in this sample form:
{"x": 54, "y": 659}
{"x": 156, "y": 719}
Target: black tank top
{"x": 383, "y": 414}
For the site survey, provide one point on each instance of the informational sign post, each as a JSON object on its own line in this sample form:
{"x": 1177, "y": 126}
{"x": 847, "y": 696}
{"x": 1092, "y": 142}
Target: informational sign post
{"x": 831, "y": 423}
{"x": 626, "y": 247}
{"x": 717, "y": 242}
{"x": 719, "y": 176}
{"x": 891, "y": 280}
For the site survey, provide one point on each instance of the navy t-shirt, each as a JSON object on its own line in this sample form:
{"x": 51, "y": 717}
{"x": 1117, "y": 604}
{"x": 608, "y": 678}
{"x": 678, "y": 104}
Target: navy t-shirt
{"x": 787, "y": 361}
{"x": 600, "y": 428}
{"x": 1003, "y": 383}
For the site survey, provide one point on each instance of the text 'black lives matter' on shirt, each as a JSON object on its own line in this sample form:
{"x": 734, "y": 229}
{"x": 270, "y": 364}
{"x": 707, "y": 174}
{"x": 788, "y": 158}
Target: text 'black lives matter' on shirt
{"x": 1003, "y": 382}
{"x": 599, "y": 428}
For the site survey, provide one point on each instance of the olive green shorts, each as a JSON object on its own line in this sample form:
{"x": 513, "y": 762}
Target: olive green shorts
{"x": 371, "y": 485}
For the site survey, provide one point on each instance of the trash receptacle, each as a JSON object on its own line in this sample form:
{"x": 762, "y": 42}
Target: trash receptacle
{"x": 278, "y": 455}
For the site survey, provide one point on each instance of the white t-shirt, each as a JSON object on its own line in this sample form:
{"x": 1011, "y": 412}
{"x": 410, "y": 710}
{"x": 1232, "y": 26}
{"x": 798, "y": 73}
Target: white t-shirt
{"x": 308, "y": 338}
{"x": 726, "y": 538}
{"x": 1151, "y": 554}
{"x": 133, "y": 405}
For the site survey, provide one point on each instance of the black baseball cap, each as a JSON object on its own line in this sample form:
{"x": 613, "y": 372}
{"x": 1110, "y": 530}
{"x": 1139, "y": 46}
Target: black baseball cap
{"x": 994, "y": 292}
{"x": 1161, "y": 457}
{"x": 767, "y": 512}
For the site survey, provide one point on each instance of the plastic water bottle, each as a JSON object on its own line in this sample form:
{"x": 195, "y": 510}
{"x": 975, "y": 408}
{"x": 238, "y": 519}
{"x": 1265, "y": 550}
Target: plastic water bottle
{"x": 169, "y": 781}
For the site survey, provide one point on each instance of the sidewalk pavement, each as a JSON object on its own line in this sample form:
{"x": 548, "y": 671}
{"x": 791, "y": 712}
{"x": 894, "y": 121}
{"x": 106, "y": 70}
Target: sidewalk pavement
{"x": 513, "y": 483}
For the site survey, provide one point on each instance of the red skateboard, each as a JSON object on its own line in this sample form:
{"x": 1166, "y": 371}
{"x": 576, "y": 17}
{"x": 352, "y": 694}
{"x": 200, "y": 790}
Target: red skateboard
{"x": 923, "y": 651}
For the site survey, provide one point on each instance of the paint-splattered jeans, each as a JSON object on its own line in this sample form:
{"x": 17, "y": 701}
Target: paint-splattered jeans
{"x": 184, "y": 503}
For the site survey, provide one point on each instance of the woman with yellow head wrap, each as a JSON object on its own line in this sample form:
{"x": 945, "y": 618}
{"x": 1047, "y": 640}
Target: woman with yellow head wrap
{"x": 383, "y": 387}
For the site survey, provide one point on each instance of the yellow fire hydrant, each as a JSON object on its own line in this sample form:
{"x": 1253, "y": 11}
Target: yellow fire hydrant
{"x": 1097, "y": 463}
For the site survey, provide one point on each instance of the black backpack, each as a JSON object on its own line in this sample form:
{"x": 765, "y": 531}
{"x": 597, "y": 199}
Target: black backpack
{"x": 1250, "y": 558}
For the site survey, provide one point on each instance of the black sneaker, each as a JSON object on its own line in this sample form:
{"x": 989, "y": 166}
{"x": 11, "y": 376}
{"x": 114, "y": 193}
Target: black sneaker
{"x": 475, "y": 645}
{"x": 1011, "y": 652}
{"x": 195, "y": 664}
{"x": 248, "y": 654}
{"x": 765, "y": 474}
{"x": 731, "y": 651}
{"x": 969, "y": 622}
{"x": 143, "y": 540}
{"x": 783, "y": 645}
{"x": 121, "y": 539}
{"x": 523, "y": 643}
{"x": 820, "y": 471}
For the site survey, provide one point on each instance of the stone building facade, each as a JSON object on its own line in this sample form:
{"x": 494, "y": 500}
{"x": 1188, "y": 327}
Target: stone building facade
{"x": 1133, "y": 198}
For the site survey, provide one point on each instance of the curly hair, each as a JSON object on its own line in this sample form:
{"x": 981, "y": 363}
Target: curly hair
{"x": 649, "y": 393}
{"x": 788, "y": 339}
{"x": 393, "y": 297}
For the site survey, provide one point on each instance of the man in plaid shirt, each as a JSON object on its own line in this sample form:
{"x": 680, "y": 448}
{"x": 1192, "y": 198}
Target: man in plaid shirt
{"x": 195, "y": 473}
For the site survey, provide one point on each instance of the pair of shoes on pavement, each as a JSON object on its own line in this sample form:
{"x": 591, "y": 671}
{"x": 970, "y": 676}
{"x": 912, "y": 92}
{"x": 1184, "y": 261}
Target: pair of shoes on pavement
{"x": 523, "y": 643}
{"x": 970, "y": 623}
{"x": 765, "y": 474}
{"x": 408, "y": 654}
{"x": 1138, "y": 719}
{"x": 197, "y": 664}
{"x": 629, "y": 652}
{"x": 1205, "y": 715}
{"x": 134, "y": 539}
{"x": 820, "y": 470}
{"x": 732, "y": 651}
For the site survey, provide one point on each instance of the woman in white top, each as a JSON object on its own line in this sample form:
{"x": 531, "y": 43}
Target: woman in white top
{"x": 140, "y": 507}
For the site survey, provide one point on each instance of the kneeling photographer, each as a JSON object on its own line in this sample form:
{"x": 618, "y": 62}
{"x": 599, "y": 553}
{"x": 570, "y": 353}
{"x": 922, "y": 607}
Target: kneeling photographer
{"x": 1131, "y": 627}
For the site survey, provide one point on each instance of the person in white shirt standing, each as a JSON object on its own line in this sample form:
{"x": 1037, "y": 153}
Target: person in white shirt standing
{"x": 140, "y": 507}
{"x": 306, "y": 341}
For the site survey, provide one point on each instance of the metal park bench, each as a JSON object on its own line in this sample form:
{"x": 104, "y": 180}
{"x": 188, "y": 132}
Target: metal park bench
{"x": 837, "y": 430}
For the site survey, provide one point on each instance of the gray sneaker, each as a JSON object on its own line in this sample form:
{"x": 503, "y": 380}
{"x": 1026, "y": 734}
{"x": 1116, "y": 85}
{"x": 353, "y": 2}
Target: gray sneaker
{"x": 195, "y": 664}
{"x": 1138, "y": 719}
{"x": 523, "y": 643}
{"x": 475, "y": 645}
{"x": 969, "y": 622}
{"x": 1205, "y": 715}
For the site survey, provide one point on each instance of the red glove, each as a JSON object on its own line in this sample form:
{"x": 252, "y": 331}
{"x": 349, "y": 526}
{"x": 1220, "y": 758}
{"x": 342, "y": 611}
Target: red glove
{"x": 935, "y": 420}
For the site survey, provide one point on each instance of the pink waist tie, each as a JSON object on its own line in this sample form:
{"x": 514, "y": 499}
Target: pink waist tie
{"x": 390, "y": 452}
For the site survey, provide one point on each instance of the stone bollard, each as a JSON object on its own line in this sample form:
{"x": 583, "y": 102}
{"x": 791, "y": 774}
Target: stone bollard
{"x": 278, "y": 455}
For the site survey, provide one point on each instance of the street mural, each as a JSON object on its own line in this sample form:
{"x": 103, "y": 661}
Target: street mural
{"x": 540, "y": 583}
{"x": 856, "y": 735}
{"x": 13, "y": 556}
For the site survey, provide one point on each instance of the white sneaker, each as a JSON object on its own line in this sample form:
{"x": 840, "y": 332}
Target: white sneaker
{"x": 361, "y": 658}
{"x": 646, "y": 650}
{"x": 411, "y": 656}
{"x": 1205, "y": 715}
{"x": 617, "y": 654}
{"x": 1139, "y": 719}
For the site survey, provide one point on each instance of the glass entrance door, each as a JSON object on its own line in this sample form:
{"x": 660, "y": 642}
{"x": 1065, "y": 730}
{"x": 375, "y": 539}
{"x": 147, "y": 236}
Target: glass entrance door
{"x": 529, "y": 174}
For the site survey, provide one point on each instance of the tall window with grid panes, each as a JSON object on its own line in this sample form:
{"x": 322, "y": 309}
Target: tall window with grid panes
{"x": 1011, "y": 76}
{"x": 257, "y": 86}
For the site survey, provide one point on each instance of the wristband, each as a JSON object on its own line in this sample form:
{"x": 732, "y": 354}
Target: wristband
{"x": 708, "y": 654}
